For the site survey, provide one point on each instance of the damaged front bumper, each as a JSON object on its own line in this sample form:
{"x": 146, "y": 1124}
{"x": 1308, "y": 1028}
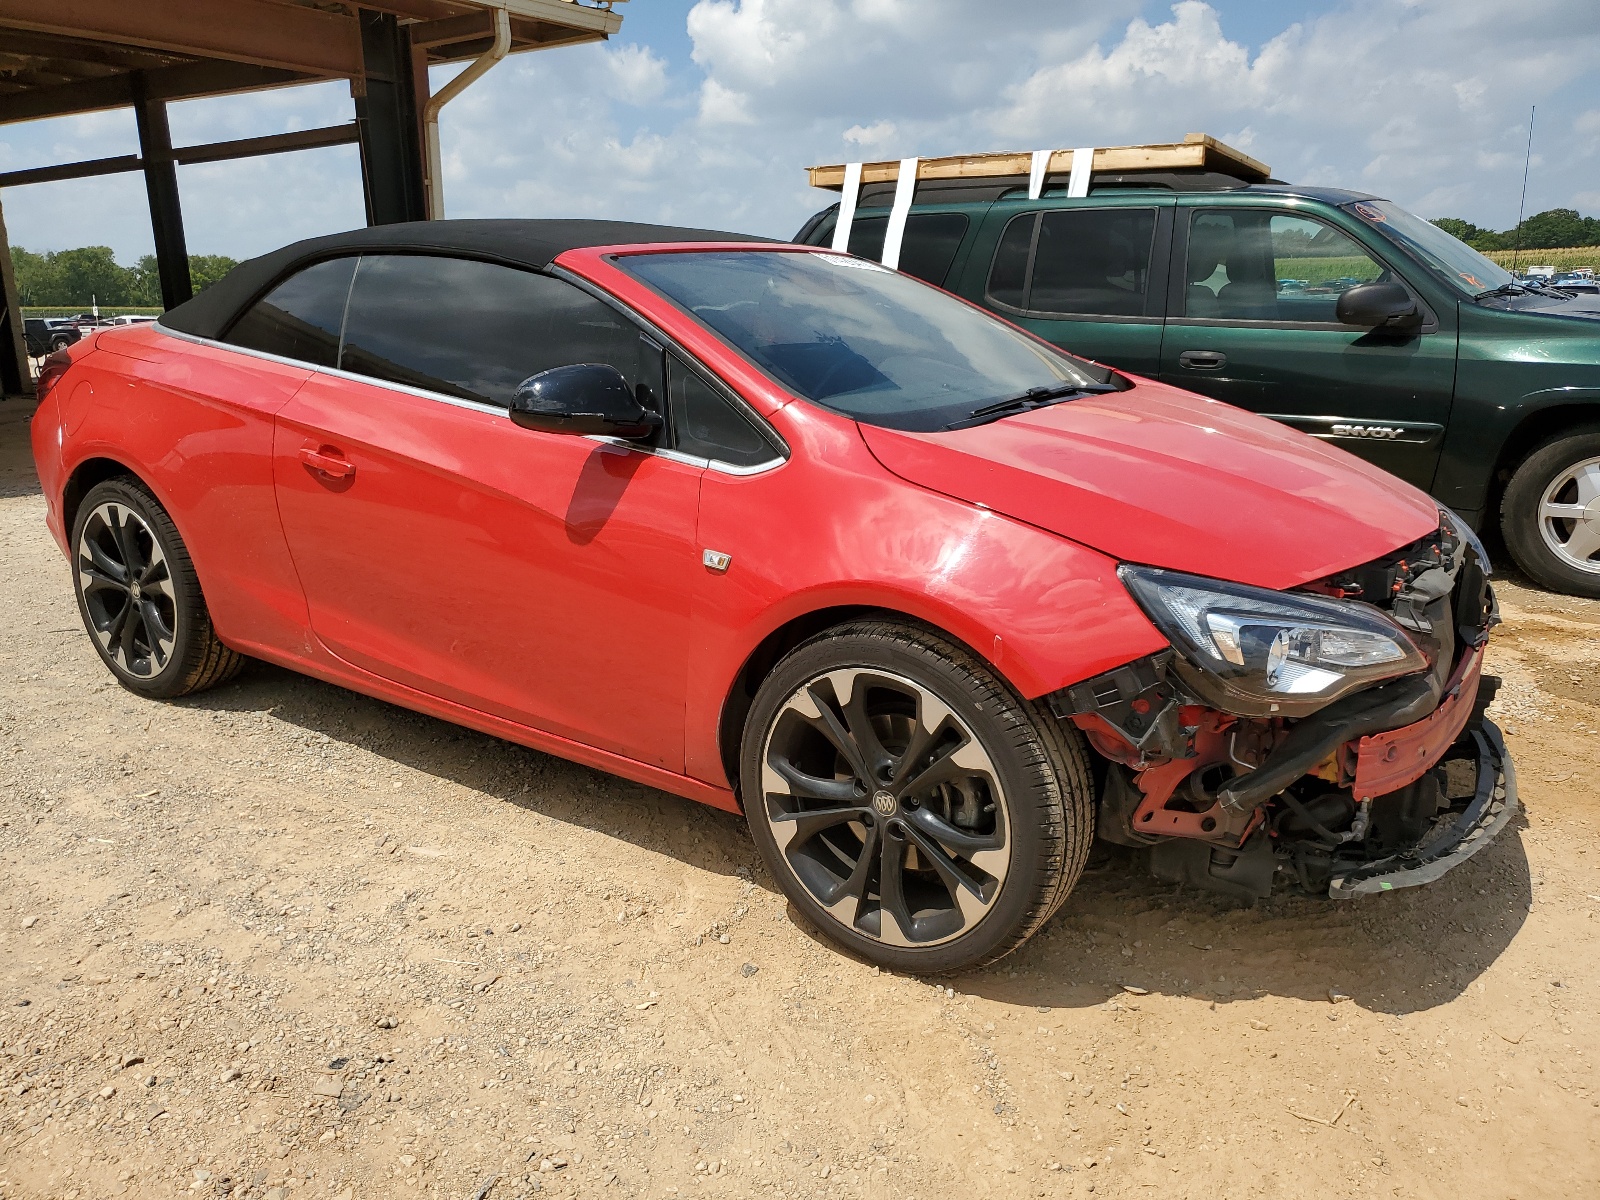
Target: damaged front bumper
{"x": 1382, "y": 788}
{"x": 1454, "y": 839}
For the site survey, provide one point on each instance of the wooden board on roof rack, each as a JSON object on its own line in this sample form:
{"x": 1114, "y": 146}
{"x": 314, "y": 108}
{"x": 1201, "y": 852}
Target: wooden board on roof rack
{"x": 1197, "y": 151}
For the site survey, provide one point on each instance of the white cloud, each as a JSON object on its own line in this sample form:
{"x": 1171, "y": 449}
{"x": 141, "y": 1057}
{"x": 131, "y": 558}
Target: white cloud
{"x": 639, "y": 76}
{"x": 870, "y": 135}
{"x": 1425, "y": 102}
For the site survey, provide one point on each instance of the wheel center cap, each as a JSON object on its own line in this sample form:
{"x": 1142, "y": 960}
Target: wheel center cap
{"x": 884, "y": 802}
{"x": 1591, "y": 514}
{"x": 134, "y": 590}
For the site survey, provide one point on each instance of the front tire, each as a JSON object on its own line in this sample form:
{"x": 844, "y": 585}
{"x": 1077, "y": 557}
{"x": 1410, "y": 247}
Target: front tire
{"x": 913, "y": 807}
{"x": 139, "y": 596}
{"x": 1550, "y": 515}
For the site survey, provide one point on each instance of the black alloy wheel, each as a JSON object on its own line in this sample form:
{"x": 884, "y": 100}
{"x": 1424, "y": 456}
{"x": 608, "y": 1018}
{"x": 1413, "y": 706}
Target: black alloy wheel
{"x": 139, "y": 597}
{"x": 126, "y": 585}
{"x": 910, "y": 805}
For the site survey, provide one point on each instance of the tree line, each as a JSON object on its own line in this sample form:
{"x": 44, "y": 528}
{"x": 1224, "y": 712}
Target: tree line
{"x": 91, "y": 274}
{"x": 1552, "y": 230}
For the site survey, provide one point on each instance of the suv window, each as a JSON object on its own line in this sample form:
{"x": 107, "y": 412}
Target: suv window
{"x": 299, "y": 318}
{"x": 707, "y": 425}
{"x": 1076, "y": 262}
{"x": 1251, "y": 265}
{"x": 927, "y": 249}
{"x": 476, "y": 330}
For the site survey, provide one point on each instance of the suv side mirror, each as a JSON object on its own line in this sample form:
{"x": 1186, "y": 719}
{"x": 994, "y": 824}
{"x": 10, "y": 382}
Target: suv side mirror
{"x": 1378, "y": 306}
{"x": 585, "y": 398}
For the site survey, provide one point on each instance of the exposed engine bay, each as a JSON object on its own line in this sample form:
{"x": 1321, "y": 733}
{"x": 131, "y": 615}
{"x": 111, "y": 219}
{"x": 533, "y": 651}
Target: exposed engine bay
{"x": 1330, "y": 739}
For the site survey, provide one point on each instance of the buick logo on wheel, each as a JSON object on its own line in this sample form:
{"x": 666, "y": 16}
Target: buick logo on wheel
{"x": 884, "y": 802}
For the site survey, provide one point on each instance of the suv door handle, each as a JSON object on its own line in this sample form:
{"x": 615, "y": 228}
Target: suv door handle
{"x": 328, "y": 461}
{"x": 1203, "y": 360}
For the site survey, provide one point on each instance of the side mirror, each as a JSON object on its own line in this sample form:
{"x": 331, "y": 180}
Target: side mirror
{"x": 585, "y": 398}
{"x": 1378, "y": 306}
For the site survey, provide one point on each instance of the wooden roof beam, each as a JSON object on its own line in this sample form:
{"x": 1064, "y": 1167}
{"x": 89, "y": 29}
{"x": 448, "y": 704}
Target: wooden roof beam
{"x": 258, "y": 32}
{"x": 1197, "y": 151}
{"x": 39, "y": 45}
{"x": 180, "y": 82}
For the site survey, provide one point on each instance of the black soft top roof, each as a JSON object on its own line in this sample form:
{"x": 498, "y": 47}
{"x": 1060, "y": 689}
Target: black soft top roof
{"x": 518, "y": 243}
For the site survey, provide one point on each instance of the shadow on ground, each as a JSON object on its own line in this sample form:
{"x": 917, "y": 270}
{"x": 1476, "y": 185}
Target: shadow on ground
{"x": 695, "y": 834}
{"x": 1402, "y": 952}
{"x": 17, "y": 477}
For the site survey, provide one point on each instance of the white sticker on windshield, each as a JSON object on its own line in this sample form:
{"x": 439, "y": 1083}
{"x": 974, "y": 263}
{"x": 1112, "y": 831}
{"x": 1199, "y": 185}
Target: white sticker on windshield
{"x": 860, "y": 264}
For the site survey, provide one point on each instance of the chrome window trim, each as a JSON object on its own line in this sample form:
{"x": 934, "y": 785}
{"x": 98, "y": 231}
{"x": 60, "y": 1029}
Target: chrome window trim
{"x": 335, "y": 372}
{"x": 495, "y": 410}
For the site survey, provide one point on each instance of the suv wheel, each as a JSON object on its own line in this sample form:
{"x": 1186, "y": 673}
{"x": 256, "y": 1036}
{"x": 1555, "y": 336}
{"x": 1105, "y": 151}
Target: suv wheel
{"x": 910, "y": 804}
{"x": 1551, "y": 513}
{"x": 139, "y": 597}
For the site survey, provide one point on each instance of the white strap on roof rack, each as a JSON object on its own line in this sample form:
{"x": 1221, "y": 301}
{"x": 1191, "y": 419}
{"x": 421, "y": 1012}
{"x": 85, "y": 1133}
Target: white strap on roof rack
{"x": 1037, "y": 171}
{"x": 847, "y": 207}
{"x": 1082, "y": 168}
{"x": 905, "y": 189}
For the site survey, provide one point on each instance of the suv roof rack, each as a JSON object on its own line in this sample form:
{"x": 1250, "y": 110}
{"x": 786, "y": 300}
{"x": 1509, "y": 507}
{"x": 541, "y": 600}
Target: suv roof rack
{"x": 1198, "y": 152}
{"x": 974, "y": 191}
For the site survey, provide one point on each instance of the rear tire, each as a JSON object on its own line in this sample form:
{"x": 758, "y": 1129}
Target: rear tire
{"x": 139, "y": 596}
{"x": 909, "y": 803}
{"x": 1550, "y": 515}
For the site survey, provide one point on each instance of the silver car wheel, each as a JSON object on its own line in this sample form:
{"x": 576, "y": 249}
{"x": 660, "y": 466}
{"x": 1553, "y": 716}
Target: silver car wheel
{"x": 1569, "y": 515}
{"x": 886, "y": 807}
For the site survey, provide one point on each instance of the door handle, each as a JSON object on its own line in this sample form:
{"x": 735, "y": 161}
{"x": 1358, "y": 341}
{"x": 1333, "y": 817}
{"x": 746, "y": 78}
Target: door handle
{"x": 327, "y": 461}
{"x": 1203, "y": 360}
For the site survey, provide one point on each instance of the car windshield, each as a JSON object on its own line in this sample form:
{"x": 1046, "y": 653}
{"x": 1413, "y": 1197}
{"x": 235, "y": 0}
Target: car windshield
{"x": 1464, "y": 267}
{"x": 855, "y": 337}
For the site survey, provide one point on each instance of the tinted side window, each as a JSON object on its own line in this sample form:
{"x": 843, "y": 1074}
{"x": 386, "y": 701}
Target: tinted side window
{"x": 299, "y": 318}
{"x": 1094, "y": 261}
{"x": 707, "y": 425}
{"x": 476, "y": 330}
{"x": 927, "y": 250}
{"x": 1008, "y": 276}
{"x": 1252, "y": 265}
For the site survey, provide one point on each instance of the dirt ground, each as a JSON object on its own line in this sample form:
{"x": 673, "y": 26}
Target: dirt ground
{"x": 281, "y": 940}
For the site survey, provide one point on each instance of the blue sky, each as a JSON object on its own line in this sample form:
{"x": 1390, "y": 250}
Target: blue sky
{"x": 705, "y": 111}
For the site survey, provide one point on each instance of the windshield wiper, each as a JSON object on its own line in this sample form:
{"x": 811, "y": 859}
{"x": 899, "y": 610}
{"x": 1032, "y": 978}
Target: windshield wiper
{"x": 1034, "y": 397}
{"x": 1505, "y": 289}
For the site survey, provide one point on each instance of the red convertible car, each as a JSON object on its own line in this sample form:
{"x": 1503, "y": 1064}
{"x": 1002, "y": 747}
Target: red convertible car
{"x": 777, "y": 529}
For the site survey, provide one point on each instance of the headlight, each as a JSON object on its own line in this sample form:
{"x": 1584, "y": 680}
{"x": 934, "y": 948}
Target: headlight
{"x": 1260, "y": 653}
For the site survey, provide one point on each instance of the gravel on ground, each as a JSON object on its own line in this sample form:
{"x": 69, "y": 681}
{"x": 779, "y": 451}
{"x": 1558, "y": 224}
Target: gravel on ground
{"x": 284, "y": 941}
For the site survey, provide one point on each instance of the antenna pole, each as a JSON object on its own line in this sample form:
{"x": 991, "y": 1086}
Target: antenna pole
{"x": 1516, "y": 245}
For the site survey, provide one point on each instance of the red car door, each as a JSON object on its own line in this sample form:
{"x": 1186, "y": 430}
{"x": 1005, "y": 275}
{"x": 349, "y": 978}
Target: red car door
{"x": 540, "y": 577}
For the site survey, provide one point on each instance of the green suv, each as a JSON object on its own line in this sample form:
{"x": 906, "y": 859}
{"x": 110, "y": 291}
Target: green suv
{"x": 1338, "y": 313}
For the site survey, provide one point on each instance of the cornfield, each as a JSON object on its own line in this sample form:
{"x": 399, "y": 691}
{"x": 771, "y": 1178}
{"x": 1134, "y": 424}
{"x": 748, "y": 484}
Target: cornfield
{"x": 1561, "y": 260}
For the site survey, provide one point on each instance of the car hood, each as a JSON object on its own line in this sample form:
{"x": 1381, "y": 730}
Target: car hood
{"x": 1163, "y": 477}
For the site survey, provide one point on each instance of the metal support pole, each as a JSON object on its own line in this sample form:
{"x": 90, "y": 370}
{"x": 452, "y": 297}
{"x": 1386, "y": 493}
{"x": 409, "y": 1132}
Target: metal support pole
{"x": 389, "y": 120}
{"x": 161, "y": 185}
{"x": 15, "y": 377}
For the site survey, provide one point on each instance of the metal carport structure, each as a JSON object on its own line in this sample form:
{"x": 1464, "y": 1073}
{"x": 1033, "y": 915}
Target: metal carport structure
{"x": 67, "y": 57}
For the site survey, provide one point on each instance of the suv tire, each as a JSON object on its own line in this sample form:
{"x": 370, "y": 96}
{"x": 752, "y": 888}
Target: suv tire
{"x": 881, "y": 751}
{"x": 168, "y": 648}
{"x": 1561, "y": 552}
